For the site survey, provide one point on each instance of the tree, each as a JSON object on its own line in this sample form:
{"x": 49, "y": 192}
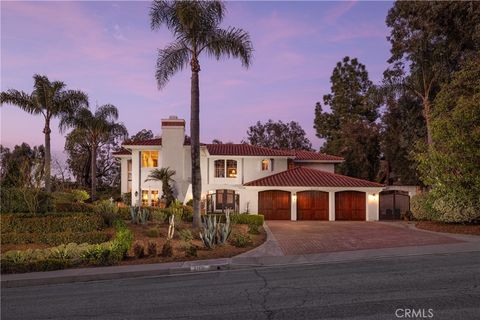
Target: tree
{"x": 196, "y": 28}
{"x": 431, "y": 40}
{"x": 278, "y": 135}
{"x": 451, "y": 166}
{"x": 97, "y": 129}
{"x": 165, "y": 176}
{"x": 402, "y": 127}
{"x": 143, "y": 134}
{"x": 349, "y": 128}
{"x": 217, "y": 141}
{"x": 51, "y": 100}
{"x": 21, "y": 158}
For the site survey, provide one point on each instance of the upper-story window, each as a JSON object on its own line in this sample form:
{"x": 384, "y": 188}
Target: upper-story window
{"x": 225, "y": 168}
{"x": 267, "y": 165}
{"x": 149, "y": 159}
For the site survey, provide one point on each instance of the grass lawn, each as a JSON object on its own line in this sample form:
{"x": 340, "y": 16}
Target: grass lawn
{"x": 449, "y": 227}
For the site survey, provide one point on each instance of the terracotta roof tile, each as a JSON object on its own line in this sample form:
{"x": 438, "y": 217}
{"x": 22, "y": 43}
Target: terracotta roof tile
{"x": 122, "y": 152}
{"x": 149, "y": 142}
{"x": 307, "y": 177}
{"x": 316, "y": 156}
{"x": 244, "y": 150}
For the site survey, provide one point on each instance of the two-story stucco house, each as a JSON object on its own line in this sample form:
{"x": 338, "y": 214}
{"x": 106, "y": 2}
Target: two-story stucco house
{"x": 281, "y": 184}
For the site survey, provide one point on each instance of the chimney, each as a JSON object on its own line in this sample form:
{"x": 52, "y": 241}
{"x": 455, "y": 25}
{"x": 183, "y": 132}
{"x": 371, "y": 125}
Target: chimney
{"x": 173, "y": 132}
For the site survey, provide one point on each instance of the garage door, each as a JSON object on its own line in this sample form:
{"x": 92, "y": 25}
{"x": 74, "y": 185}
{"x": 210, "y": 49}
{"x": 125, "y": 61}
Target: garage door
{"x": 312, "y": 205}
{"x": 350, "y": 205}
{"x": 274, "y": 205}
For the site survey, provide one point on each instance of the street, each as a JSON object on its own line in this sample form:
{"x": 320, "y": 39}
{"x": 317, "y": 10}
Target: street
{"x": 442, "y": 286}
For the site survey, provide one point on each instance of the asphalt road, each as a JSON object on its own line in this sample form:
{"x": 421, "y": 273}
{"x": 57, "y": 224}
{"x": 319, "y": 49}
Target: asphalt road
{"x": 449, "y": 285}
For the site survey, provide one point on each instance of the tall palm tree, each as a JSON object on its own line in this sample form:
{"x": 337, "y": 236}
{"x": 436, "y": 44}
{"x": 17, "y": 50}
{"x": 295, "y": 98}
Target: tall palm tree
{"x": 51, "y": 100}
{"x": 196, "y": 28}
{"x": 98, "y": 128}
{"x": 165, "y": 176}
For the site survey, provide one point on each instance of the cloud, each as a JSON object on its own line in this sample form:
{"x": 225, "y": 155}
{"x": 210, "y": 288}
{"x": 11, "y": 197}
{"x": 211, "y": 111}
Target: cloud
{"x": 339, "y": 10}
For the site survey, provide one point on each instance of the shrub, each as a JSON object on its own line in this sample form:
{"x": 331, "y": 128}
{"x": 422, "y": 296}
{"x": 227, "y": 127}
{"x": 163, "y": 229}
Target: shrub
{"x": 249, "y": 219}
{"x": 191, "y": 250}
{"x": 152, "y": 233}
{"x": 253, "y": 229}
{"x": 152, "y": 249}
{"x": 138, "y": 250}
{"x": 241, "y": 241}
{"x": 190, "y": 203}
{"x": 186, "y": 235}
{"x": 12, "y": 200}
{"x": 124, "y": 213}
{"x": 167, "y": 249}
{"x": 422, "y": 207}
{"x": 56, "y": 238}
{"x": 159, "y": 215}
{"x": 107, "y": 210}
{"x": 73, "y": 207}
{"x": 127, "y": 198}
{"x": 50, "y": 223}
{"x": 79, "y": 195}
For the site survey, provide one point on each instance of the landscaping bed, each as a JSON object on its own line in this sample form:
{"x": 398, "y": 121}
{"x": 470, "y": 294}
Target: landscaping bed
{"x": 449, "y": 227}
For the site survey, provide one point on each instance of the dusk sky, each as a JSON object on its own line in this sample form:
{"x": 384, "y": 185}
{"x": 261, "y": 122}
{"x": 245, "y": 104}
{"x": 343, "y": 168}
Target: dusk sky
{"x": 108, "y": 50}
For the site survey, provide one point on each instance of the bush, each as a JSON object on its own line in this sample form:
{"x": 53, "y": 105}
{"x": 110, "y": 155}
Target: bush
{"x": 69, "y": 255}
{"x": 107, "y": 210}
{"x": 50, "y": 223}
{"x": 12, "y": 201}
{"x": 79, "y": 195}
{"x": 191, "y": 250}
{"x": 127, "y": 198}
{"x": 241, "y": 241}
{"x": 55, "y": 239}
{"x": 186, "y": 235}
{"x": 152, "y": 249}
{"x": 167, "y": 249}
{"x": 256, "y": 219}
{"x": 253, "y": 229}
{"x": 152, "y": 233}
{"x": 73, "y": 207}
{"x": 138, "y": 250}
{"x": 422, "y": 207}
{"x": 124, "y": 213}
{"x": 159, "y": 215}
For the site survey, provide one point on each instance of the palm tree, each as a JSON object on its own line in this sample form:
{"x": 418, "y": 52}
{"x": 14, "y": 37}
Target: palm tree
{"x": 195, "y": 26}
{"x": 98, "y": 128}
{"x": 51, "y": 100}
{"x": 165, "y": 176}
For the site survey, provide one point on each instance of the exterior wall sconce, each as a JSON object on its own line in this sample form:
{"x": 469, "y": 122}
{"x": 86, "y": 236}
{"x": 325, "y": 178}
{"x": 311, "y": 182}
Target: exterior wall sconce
{"x": 294, "y": 197}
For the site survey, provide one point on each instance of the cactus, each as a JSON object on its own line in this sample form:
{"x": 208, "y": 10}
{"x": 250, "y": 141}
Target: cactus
{"x": 224, "y": 229}
{"x": 171, "y": 227}
{"x": 214, "y": 233}
{"x": 134, "y": 214}
{"x": 143, "y": 216}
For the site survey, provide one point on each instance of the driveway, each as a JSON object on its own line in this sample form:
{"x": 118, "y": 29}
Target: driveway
{"x": 307, "y": 237}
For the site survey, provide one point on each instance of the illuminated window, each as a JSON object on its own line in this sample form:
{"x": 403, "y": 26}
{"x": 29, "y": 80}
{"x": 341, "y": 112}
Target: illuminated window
{"x": 144, "y": 197}
{"x": 219, "y": 168}
{"x": 149, "y": 159}
{"x": 225, "y": 168}
{"x": 265, "y": 165}
{"x": 154, "y": 198}
{"x": 231, "y": 168}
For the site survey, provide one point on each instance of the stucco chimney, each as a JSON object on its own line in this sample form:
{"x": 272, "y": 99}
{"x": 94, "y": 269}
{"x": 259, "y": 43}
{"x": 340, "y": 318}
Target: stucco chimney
{"x": 173, "y": 132}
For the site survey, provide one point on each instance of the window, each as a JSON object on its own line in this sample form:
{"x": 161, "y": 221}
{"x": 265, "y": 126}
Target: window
{"x": 149, "y": 159}
{"x": 154, "y": 198}
{"x": 144, "y": 197}
{"x": 129, "y": 175}
{"x": 265, "y": 165}
{"x": 231, "y": 168}
{"x": 219, "y": 168}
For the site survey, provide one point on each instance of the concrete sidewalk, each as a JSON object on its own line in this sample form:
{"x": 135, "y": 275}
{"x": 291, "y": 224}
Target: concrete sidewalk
{"x": 266, "y": 255}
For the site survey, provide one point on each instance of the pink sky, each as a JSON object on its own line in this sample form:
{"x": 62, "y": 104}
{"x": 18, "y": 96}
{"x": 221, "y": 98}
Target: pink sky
{"x": 108, "y": 50}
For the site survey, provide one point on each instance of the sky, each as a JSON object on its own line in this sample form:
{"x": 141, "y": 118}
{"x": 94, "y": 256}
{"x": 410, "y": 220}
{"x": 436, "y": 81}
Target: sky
{"x": 108, "y": 50}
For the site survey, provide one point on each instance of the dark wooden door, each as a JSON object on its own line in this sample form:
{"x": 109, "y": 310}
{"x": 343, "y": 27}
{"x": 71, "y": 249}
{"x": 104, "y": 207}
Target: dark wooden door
{"x": 274, "y": 205}
{"x": 350, "y": 205}
{"x": 312, "y": 205}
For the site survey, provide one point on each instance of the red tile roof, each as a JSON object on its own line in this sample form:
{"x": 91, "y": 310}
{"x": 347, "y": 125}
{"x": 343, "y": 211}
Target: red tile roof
{"x": 149, "y": 142}
{"x": 307, "y": 177}
{"x": 316, "y": 156}
{"x": 122, "y": 152}
{"x": 245, "y": 150}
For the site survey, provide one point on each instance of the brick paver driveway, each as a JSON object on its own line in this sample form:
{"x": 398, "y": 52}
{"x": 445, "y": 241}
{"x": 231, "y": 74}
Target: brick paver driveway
{"x": 304, "y": 237}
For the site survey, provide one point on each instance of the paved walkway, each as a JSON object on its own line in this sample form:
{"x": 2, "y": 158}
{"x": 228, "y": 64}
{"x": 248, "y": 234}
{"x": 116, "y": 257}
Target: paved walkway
{"x": 308, "y": 237}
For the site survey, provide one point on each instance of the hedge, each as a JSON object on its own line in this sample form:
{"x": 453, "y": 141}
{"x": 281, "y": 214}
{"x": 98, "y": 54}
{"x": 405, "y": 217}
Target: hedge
{"x": 242, "y": 218}
{"x": 422, "y": 208}
{"x": 51, "y": 223}
{"x": 55, "y": 238}
{"x": 12, "y": 201}
{"x": 70, "y": 255}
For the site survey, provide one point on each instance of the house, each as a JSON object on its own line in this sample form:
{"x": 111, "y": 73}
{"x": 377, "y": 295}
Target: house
{"x": 281, "y": 184}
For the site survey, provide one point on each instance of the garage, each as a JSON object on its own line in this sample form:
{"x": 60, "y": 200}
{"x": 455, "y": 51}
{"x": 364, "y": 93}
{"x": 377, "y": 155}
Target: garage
{"x": 312, "y": 205}
{"x": 274, "y": 204}
{"x": 350, "y": 205}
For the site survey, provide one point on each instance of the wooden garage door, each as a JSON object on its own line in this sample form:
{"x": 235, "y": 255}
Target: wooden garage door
{"x": 312, "y": 205}
{"x": 274, "y": 205}
{"x": 350, "y": 205}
